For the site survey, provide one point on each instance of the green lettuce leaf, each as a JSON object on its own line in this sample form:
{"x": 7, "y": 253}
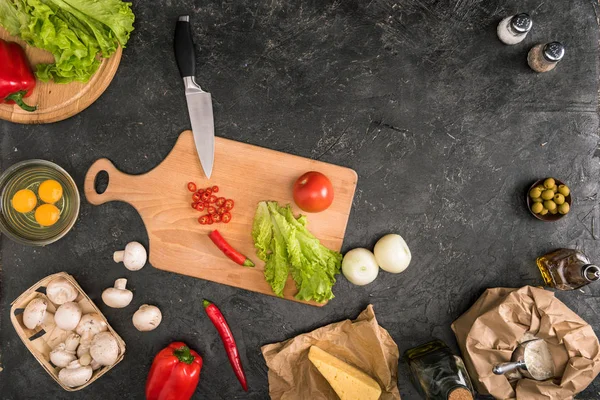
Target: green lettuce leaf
{"x": 262, "y": 230}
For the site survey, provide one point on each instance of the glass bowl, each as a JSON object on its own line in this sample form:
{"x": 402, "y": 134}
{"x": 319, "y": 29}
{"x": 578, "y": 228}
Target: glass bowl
{"x": 22, "y": 227}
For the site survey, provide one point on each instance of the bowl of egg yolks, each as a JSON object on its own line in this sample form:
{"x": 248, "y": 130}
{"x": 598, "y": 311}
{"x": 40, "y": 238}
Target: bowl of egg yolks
{"x": 39, "y": 202}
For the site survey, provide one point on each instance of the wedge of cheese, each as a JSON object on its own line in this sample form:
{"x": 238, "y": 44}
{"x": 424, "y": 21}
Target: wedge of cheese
{"x": 349, "y": 382}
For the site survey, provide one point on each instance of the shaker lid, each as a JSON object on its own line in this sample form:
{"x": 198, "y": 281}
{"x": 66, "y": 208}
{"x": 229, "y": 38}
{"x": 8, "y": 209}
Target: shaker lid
{"x": 591, "y": 272}
{"x": 521, "y": 23}
{"x": 554, "y": 51}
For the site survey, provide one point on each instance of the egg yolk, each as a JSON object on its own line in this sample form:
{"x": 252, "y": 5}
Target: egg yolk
{"x": 50, "y": 191}
{"x": 47, "y": 214}
{"x": 24, "y": 201}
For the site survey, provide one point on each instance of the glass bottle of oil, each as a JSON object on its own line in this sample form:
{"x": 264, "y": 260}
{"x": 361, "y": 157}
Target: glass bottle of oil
{"x": 567, "y": 269}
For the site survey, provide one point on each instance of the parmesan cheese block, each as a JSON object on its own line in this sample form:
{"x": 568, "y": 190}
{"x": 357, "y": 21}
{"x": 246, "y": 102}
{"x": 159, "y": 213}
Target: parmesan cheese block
{"x": 349, "y": 382}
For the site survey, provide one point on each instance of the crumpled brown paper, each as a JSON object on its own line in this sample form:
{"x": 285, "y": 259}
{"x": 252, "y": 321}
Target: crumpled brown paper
{"x": 492, "y": 328}
{"x": 362, "y": 343}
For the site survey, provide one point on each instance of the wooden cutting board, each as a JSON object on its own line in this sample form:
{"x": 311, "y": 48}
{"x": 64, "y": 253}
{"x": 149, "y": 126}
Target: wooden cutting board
{"x": 57, "y": 101}
{"x": 245, "y": 173}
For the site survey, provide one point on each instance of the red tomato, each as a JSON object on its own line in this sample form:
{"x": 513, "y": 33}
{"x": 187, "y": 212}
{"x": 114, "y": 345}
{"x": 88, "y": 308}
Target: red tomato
{"x": 228, "y": 204}
{"x": 313, "y": 192}
{"x": 220, "y": 201}
{"x": 191, "y": 186}
{"x": 215, "y": 189}
{"x": 203, "y": 220}
{"x": 226, "y": 218}
{"x": 196, "y": 197}
{"x": 216, "y": 217}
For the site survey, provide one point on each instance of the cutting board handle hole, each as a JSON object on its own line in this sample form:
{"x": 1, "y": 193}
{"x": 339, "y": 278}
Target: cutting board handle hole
{"x": 101, "y": 182}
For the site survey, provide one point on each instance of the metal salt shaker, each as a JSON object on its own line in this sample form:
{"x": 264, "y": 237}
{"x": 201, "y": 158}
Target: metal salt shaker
{"x": 513, "y": 29}
{"x": 544, "y": 57}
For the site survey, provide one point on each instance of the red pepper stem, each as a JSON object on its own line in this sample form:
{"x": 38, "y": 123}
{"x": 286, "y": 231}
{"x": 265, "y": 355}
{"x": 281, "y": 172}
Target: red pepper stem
{"x": 206, "y": 303}
{"x": 17, "y": 97}
{"x": 184, "y": 355}
{"x": 248, "y": 263}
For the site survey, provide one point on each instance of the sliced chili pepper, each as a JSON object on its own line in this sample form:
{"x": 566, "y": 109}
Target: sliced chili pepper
{"x": 191, "y": 186}
{"x": 212, "y": 199}
{"x": 226, "y": 218}
{"x": 208, "y": 190}
{"x": 203, "y": 220}
{"x": 220, "y": 201}
{"x": 215, "y": 189}
{"x": 200, "y": 191}
{"x": 228, "y": 204}
{"x": 211, "y": 210}
{"x": 233, "y": 354}
{"x": 210, "y": 220}
{"x": 216, "y": 217}
{"x": 205, "y": 196}
{"x": 229, "y": 251}
{"x": 196, "y": 197}
{"x": 221, "y": 210}
{"x": 199, "y": 207}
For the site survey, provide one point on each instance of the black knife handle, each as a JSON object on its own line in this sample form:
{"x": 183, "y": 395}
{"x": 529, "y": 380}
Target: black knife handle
{"x": 184, "y": 47}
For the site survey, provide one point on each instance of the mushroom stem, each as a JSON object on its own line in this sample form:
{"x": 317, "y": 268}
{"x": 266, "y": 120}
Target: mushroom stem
{"x": 118, "y": 256}
{"x": 120, "y": 283}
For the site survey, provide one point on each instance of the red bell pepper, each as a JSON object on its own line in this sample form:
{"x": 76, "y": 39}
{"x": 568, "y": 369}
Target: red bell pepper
{"x": 174, "y": 373}
{"x": 16, "y": 78}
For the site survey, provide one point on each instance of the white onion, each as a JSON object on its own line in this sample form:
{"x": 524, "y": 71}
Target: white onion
{"x": 392, "y": 253}
{"x": 359, "y": 266}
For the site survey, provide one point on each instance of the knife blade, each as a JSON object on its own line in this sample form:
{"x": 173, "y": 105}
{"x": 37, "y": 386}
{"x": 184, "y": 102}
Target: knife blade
{"x": 199, "y": 102}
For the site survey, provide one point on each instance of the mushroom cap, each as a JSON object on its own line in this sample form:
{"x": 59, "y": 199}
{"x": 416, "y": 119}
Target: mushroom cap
{"x": 134, "y": 256}
{"x": 67, "y": 316}
{"x": 34, "y": 312}
{"x": 104, "y": 349}
{"x": 89, "y": 325}
{"x": 117, "y": 298}
{"x": 146, "y": 318}
{"x": 60, "y": 356}
{"x": 60, "y": 291}
{"x": 75, "y": 374}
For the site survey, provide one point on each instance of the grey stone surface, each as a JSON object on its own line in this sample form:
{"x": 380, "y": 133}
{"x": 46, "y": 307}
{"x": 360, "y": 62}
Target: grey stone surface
{"x": 445, "y": 126}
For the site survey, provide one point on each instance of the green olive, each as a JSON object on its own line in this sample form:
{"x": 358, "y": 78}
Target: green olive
{"x": 553, "y": 212}
{"x": 559, "y": 198}
{"x": 535, "y": 193}
{"x": 564, "y": 190}
{"x": 554, "y": 189}
{"x": 537, "y": 200}
{"x": 547, "y": 194}
{"x": 550, "y": 205}
{"x": 564, "y": 208}
{"x": 544, "y": 211}
{"x": 549, "y": 183}
{"x": 537, "y": 207}
{"x": 541, "y": 187}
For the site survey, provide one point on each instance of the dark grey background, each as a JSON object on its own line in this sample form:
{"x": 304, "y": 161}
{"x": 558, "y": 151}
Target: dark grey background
{"x": 445, "y": 126}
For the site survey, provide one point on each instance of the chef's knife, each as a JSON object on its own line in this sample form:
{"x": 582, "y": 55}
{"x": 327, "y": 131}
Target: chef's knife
{"x": 198, "y": 101}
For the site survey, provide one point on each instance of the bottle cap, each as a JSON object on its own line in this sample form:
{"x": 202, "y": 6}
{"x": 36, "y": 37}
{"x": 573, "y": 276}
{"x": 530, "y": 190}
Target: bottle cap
{"x": 591, "y": 272}
{"x": 554, "y": 51}
{"x": 521, "y": 23}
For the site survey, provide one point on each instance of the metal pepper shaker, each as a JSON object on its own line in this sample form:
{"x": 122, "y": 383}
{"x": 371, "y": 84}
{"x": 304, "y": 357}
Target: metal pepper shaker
{"x": 544, "y": 57}
{"x": 513, "y": 29}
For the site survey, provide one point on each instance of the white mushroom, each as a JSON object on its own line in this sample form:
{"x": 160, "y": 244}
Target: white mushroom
{"x": 134, "y": 256}
{"x": 60, "y": 291}
{"x": 75, "y": 374}
{"x": 87, "y": 359}
{"x": 104, "y": 349}
{"x": 146, "y": 318}
{"x": 118, "y": 296}
{"x": 67, "y": 316}
{"x": 89, "y": 325}
{"x": 36, "y": 314}
{"x": 64, "y": 353}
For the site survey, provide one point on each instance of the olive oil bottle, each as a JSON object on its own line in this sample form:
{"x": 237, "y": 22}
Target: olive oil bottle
{"x": 567, "y": 269}
{"x": 437, "y": 373}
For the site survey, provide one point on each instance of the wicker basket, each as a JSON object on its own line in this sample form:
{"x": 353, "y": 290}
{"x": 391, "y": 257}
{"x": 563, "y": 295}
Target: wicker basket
{"x": 41, "y": 342}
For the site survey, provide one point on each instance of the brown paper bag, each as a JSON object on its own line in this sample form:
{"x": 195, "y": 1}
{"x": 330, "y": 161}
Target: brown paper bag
{"x": 492, "y": 328}
{"x": 362, "y": 343}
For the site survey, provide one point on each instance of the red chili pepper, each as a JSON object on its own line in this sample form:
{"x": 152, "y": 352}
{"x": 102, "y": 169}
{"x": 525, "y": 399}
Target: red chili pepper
{"x": 16, "y": 78}
{"x": 233, "y": 354}
{"x": 174, "y": 373}
{"x": 229, "y": 251}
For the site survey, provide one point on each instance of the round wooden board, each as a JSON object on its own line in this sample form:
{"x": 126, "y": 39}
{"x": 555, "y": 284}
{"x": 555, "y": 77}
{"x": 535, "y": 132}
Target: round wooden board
{"x": 55, "y": 101}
